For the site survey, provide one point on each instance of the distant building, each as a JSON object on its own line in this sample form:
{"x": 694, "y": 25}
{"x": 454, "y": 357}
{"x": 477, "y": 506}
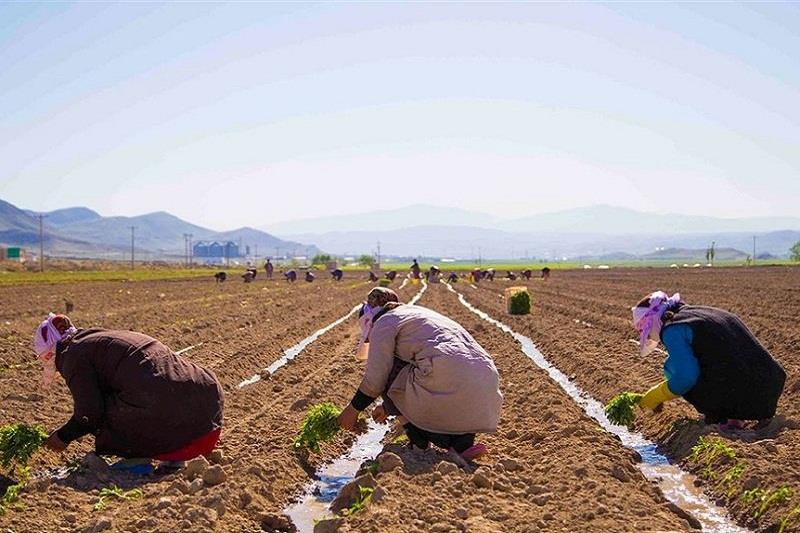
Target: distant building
{"x": 215, "y": 252}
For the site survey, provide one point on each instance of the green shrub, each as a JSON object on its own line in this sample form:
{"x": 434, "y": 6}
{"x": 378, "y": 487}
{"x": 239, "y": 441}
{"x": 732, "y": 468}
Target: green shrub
{"x": 385, "y": 282}
{"x": 520, "y": 303}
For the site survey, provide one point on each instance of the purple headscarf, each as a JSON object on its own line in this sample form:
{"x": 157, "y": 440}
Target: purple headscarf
{"x": 647, "y": 320}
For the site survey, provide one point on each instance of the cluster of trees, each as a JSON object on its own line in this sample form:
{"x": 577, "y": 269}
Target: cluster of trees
{"x": 794, "y": 251}
{"x": 321, "y": 259}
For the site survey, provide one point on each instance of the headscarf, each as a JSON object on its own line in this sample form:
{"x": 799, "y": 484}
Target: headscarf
{"x": 376, "y": 299}
{"x": 45, "y": 339}
{"x": 647, "y": 320}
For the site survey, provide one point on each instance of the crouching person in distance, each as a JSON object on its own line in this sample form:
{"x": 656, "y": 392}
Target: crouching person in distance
{"x": 137, "y": 397}
{"x": 430, "y": 372}
{"x": 714, "y": 361}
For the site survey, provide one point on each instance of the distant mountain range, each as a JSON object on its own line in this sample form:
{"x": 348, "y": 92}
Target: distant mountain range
{"x": 599, "y": 219}
{"x": 461, "y": 242}
{"x": 590, "y": 232}
{"x": 598, "y": 232}
{"x": 81, "y": 232}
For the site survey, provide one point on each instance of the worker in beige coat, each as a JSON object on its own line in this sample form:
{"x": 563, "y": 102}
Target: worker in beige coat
{"x": 429, "y": 371}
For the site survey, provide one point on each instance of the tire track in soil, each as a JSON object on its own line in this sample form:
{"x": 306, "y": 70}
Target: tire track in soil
{"x": 550, "y": 467}
{"x": 603, "y": 362}
{"x": 259, "y": 427}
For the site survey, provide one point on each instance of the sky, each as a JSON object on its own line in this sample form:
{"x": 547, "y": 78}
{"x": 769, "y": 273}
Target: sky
{"x": 251, "y": 113}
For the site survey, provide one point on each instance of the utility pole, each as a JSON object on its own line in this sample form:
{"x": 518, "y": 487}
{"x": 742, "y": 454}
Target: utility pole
{"x": 133, "y": 228}
{"x": 186, "y": 249}
{"x": 754, "y": 249}
{"x": 191, "y": 251}
{"x": 41, "y": 243}
{"x": 379, "y": 255}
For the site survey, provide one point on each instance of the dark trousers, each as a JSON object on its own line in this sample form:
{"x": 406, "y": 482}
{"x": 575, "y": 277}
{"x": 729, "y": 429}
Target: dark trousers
{"x": 419, "y": 437}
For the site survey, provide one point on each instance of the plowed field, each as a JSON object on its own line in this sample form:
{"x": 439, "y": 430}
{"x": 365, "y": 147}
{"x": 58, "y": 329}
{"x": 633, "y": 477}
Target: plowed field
{"x": 550, "y": 467}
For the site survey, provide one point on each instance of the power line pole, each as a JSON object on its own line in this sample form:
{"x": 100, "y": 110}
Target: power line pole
{"x": 379, "y": 255}
{"x": 191, "y": 250}
{"x": 186, "y": 249}
{"x": 133, "y": 228}
{"x": 41, "y": 243}
{"x": 754, "y": 249}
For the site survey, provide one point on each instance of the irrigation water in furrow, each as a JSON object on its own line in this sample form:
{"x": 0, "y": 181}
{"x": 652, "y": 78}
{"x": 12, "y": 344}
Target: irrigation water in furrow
{"x": 330, "y": 478}
{"x": 676, "y": 485}
{"x": 295, "y": 350}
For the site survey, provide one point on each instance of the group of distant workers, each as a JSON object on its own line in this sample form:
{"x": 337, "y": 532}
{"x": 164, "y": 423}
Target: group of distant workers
{"x": 433, "y": 274}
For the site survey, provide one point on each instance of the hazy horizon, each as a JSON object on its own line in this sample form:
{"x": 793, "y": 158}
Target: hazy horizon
{"x": 230, "y": 115}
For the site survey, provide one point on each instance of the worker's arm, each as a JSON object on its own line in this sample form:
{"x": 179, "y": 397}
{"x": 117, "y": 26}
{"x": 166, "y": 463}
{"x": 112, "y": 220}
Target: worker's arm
{"x": 380, "y": 360}
{"x": 82, "y": 381}
{"x": 681, "y": 367}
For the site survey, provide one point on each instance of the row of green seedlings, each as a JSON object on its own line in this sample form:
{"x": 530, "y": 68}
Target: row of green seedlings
{"x": 712, "y": 453}
{"x": 321, "y": 424}
{"x": 18, "y": 443}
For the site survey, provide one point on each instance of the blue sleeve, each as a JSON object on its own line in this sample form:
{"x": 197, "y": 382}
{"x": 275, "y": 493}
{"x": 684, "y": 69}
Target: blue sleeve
{"x": 681, "y": 367}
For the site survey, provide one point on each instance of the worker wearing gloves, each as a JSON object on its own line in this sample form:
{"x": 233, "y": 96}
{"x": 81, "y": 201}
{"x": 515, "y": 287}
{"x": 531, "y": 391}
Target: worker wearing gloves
{"x": 714, "y": 361}
{"x": 439, "y": 382}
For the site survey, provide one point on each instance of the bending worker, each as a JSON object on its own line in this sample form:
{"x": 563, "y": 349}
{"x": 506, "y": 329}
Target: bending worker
{"x": 137, "y": 397}
{"x": 714, "y": 361}
{"x": 430, "y": 372}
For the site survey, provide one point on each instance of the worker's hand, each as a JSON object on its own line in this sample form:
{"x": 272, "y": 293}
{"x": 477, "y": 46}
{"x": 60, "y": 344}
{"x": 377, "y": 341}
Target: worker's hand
{"x": 348, "y": 418}
{"x": 54, "y": 443}
{"x": 656, "y": 396}
{"x": 379, "y": 414}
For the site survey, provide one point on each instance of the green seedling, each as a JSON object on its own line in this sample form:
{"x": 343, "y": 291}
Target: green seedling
{"x": 11, "y": 496}
{"x": 362, "y": 499}
{"x": 707, "y": 451}
{"x": 18, "y": 442}
{"x": 115, "y": 493}
{"x": 770, "y": 498}
{"x": 749, "y": 496}
{"x": 321, "y": 424}
{"x": 793, "y": 514}
{"x": 372, "y": 468}
{"x": 400, "y": 440}
{"x": 733, "y": 475}
{"x": 620, "y": 410}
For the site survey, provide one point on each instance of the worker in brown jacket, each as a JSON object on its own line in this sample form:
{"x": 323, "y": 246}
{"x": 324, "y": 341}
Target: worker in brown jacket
{"x": 135, "y": 395}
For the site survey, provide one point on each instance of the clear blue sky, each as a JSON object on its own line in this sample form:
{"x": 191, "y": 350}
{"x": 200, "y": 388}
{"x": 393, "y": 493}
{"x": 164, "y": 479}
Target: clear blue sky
{"x": 251, "y": 113}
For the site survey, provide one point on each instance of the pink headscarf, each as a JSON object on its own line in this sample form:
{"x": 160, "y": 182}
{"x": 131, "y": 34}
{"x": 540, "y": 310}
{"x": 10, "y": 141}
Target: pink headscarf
{"x": 45, "y": 339}
{"x": 365, "y": 323}
{"x": 647, "y": 320}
